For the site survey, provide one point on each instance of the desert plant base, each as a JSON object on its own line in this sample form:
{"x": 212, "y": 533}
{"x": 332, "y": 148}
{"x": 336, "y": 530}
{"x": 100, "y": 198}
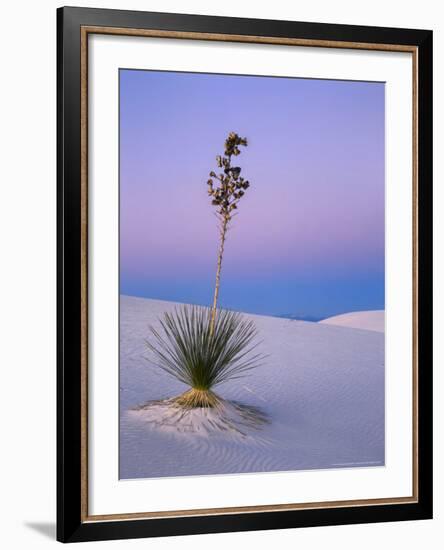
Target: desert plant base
{"x": 195, "y": 398}
{"x": 219, "y": 417}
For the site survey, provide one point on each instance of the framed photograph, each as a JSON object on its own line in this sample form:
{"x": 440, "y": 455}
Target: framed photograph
{"x": 244, "y": 274}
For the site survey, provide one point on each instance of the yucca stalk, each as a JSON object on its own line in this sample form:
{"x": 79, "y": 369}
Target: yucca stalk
{"x": 225, "y": 195}
{"x": 202, "y": 355}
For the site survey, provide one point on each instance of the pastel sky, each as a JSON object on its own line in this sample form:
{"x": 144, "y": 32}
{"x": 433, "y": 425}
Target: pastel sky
{"x": 308, "y": 239}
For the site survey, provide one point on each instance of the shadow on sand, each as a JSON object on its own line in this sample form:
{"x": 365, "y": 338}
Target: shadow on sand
{"x": 229, "y": 417}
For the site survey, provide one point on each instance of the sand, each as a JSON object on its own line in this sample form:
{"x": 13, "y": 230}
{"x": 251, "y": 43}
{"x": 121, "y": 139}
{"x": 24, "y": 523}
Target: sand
{"x": 367, "y": 320}
{"x": 321, "y": 390}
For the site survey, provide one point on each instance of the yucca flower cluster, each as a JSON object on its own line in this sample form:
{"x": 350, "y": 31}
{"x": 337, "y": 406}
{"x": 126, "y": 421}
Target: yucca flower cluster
{"x": 230, "y": 186}
{"x": 230, "y": 189}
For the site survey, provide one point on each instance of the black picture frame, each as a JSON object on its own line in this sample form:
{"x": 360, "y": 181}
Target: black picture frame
{"x": 72, "y": 526}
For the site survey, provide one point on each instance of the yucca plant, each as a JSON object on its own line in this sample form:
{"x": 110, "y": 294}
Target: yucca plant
{"x": 201, "y": 354}
{"x": 202, "y": 346}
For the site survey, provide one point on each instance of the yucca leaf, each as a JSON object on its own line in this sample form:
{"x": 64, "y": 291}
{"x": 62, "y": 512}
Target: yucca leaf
{"x": 187, "y": 349}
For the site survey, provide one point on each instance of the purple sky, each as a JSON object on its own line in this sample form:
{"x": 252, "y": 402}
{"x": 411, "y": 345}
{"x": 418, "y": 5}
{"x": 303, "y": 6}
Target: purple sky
{"x": 309, "y": 236}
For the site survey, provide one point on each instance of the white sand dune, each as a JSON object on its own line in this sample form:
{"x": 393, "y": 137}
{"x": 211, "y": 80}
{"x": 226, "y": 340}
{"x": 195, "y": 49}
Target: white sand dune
{"x": 366, "y": 320}
{"x": 321, "y": 387}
